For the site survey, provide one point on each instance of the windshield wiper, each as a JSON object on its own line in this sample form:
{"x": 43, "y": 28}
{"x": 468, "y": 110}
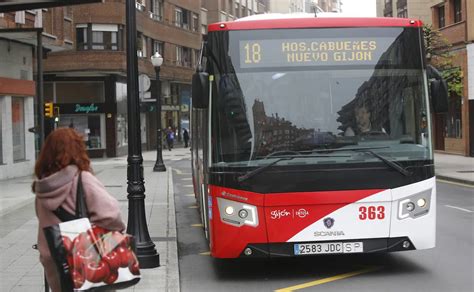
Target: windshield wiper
{"x": 264, "y": 167}
{"x": 387, "y": 161}
{"x": 390, "y": 163}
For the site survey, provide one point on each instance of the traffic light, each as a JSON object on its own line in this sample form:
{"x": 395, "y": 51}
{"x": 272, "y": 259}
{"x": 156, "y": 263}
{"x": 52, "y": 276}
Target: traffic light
{"x": 48, "y": 109}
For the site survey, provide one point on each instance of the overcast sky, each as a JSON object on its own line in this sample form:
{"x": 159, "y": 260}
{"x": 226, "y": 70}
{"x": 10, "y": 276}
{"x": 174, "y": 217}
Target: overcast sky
{"x": 359, "y": 7}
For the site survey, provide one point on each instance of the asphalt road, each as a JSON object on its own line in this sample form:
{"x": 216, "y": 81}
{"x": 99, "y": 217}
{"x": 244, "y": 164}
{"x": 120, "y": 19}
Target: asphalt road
{"x": 448, "y": 267}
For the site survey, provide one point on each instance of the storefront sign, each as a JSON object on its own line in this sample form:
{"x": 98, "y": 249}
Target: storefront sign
{"x": 81, "y": 108}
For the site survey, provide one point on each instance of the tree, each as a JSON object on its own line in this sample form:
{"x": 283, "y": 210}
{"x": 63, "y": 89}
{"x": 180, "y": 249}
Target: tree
{"x": 440, "y": 57}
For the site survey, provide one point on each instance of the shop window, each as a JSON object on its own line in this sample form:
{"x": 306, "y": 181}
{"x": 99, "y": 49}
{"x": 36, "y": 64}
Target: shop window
{"x": 80, "y": 92}
{"x": 122, "y": 130}
{"x": 441, "y": 17}
{"x": 89, "y": 126}
{"x": 18, "y": 129}
{"x": 174, "y": 93}
{"x": 457, "y": 10}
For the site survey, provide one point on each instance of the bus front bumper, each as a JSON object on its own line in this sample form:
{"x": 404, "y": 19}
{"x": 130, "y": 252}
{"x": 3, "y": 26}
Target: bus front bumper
{"x": 290, "y": 249}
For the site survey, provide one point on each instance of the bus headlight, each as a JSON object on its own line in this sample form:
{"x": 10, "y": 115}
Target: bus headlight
{"x": 415, "y": 206}
{"x": 229, "y": 210}
{"x": 421, "y": 203}
{"x": 247, "y": 214}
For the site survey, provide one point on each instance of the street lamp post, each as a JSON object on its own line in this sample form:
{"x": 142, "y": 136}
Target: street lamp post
{"x": 157, "y": 61}
{"x": 137, "y": 226}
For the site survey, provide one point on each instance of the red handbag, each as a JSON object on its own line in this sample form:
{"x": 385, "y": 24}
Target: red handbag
{"x": 89, "y": 256}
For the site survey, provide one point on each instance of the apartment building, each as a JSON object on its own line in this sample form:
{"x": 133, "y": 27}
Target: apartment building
{"x": 286, "y": 6}
{"x": 329, "y": 5}
{"x": 453, "y": 131}
{"x": 88, "y": 83}
{"x": 19, "y": 33}
{"x": 228, "y": 10}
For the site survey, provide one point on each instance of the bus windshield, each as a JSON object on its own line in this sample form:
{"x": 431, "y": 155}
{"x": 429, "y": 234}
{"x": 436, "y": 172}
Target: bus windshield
{"x": 320, "y": 89}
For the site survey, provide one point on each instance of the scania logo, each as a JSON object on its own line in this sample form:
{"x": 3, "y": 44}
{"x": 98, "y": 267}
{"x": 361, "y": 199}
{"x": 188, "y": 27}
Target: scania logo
{"x": 329, "y": 233}
{"x": 328, "y": 222}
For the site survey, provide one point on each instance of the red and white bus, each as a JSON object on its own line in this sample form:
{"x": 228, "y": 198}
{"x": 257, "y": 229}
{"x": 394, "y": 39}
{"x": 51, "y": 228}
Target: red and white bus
{"x": 312, "y": 135}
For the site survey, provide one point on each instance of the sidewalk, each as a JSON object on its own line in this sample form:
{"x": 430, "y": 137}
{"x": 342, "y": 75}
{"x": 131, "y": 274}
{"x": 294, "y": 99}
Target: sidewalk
{"x": 454, "y": 168}
{"x": 20, "y": 269}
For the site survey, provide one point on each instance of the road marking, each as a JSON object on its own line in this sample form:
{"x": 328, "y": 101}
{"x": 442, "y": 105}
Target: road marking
{"x": 193, "y": 207}
{"x": 187, "y": 178}
{"x": 196, "y": 225}
{"x": 327, "y": 280}
{"x": 458, "y": 208}
{"x": 207, "y": 253}
{"x": 177, "y": 171}
{"x": 188, "y": 186}
{"x": 454, "y": 183}
{"x": 190, "y": 195}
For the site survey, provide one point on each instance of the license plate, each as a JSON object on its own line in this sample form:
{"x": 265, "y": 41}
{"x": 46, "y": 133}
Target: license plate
{"x": 328, "y": 248}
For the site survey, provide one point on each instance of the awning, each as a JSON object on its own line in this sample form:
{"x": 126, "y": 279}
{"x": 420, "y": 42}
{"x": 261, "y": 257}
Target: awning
{"x": 27, "y": 36}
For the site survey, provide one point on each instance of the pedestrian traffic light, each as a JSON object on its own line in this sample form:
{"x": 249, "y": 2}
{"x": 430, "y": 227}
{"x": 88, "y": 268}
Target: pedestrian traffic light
{"x": 48, "y": 109}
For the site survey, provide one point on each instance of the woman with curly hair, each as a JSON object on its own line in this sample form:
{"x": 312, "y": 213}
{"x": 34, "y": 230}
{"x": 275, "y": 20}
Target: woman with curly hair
{"x": 61, "y": 160}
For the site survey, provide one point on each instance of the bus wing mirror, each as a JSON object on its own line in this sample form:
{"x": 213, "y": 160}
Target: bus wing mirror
{"x": 439, "y": 96}
{"x": 200, "y": 90}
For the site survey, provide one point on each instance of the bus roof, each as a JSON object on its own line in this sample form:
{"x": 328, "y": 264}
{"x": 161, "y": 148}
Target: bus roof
{"x": 307, "y": 20}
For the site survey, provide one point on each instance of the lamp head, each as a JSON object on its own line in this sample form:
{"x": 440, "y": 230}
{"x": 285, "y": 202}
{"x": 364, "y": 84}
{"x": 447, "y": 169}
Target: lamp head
{"x": 157, "y": 60}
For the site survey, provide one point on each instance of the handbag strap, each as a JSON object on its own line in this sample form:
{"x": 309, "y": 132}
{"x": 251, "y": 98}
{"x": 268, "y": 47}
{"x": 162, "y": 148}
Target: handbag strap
{"x": 81, "y": 206}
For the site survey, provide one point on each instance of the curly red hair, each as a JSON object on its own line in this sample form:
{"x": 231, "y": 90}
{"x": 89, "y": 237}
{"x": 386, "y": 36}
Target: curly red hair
{"x": 62, "y": 147}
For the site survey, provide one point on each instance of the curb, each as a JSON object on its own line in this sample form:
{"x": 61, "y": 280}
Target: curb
{"x": 172, "y": 266}
{"x": 455, "y": 180}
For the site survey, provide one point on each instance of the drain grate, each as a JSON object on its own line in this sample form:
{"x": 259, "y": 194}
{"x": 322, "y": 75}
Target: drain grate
{"x": 113, "y": 186}
{"x": 465, "y": 171}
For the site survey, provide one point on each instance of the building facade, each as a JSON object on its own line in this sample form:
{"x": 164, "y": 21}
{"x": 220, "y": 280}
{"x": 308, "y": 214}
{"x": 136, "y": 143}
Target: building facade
{"x": 329, "y": 5}
{"x": 88, "y": 83}
{"x": 454, "y": 19}
{"x": 286, "y": 6}
{"x": 19, "y": 32}
{"x": 228, "y": 10}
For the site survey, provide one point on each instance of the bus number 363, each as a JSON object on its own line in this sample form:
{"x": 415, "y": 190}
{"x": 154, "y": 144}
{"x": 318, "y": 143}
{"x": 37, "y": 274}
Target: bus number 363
{"x": 371, "y": 212}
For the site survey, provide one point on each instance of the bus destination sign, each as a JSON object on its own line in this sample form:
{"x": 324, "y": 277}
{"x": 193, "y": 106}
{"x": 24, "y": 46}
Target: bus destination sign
{"x": 311, "y": 52}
